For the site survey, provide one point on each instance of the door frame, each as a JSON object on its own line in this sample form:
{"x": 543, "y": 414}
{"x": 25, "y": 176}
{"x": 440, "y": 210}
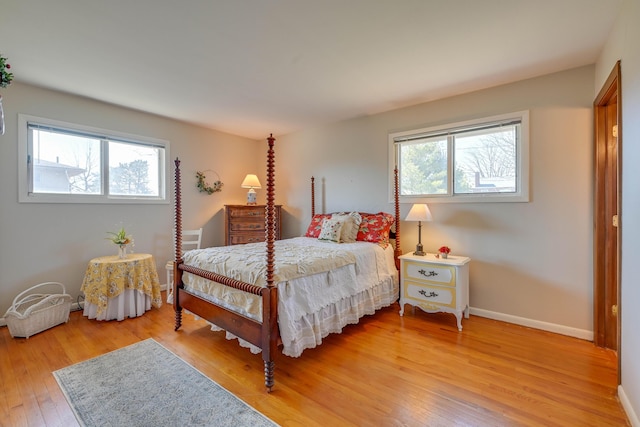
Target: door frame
{"x": 611, "y": 88}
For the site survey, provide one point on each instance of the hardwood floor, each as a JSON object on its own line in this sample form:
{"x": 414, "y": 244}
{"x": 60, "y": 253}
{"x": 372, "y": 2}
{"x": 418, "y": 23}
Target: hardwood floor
{"x": 416, "y": 370}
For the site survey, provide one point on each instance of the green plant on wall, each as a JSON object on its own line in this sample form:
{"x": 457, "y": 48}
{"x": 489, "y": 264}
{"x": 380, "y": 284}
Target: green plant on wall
{"x": 5, "y": 75}
{"x": 204, "y": 186}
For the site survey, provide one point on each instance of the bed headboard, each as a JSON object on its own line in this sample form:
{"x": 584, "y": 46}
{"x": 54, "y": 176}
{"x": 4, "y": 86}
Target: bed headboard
{"x": 395, "y": 235}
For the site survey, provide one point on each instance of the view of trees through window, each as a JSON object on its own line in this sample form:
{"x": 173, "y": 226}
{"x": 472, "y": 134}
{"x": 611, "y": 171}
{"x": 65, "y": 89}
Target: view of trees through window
{"x": 130, "y": 178}
{"x": 487, "y": 159}
{"x": 69, "y": 163}
{"x": 481, "y": 160}
{"x": 131, "y": 168}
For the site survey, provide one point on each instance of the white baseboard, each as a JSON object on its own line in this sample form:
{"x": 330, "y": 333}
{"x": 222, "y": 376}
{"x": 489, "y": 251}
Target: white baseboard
{"x": 631, "y": 413}
{"x": 523, "y": 321}
{"x": 536, "y": 324}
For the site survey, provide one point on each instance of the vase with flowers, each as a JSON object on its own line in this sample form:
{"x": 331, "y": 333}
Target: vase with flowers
{"x": 444, "y": 251}
{"x": 122, "y": 239}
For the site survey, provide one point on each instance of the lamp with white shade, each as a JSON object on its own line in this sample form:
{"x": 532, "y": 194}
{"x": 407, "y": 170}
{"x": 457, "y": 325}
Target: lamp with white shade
{"x": 251, "y": 182}
{"x": 419, "y": 212}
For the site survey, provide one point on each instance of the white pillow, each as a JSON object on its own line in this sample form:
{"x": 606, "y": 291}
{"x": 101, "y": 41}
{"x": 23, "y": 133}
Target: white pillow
{"x": 351, "y": 225}
{"x": 330, "y": 231}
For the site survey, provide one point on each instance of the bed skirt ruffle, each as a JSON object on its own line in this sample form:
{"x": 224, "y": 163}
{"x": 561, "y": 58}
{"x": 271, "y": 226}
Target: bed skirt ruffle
{"x": 309, "y": 330}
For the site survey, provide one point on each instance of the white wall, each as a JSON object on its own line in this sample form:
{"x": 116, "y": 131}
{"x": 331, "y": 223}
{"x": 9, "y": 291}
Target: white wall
{"x": 531, "y": 262}
{"x": 623, "y": 45}
{"x": 53, "y": 242}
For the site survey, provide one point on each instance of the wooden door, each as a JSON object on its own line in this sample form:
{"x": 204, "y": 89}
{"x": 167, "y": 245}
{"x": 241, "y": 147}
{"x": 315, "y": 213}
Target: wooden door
{"x": 607, "y": 222}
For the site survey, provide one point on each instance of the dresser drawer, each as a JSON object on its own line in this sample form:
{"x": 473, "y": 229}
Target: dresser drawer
{"x": 424, "y": 272}
{"x": 242, "y": 238}
{"x": 430, "y": 296}
{"x": 246, "y": 224}
{"x": 246, "y": 212}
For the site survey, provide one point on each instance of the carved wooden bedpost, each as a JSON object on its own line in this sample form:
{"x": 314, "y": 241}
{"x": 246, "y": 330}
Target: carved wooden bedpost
{"x": 177, "y": 226}
{"x": 397, "y": 252}
{"x": 313, "y": 196}
{"x": 270, "y": 293}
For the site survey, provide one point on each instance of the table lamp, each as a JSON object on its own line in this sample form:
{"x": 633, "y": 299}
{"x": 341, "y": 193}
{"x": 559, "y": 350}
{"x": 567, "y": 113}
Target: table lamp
{"x": 251, "y": 182}
{"x": 419, "y": 212}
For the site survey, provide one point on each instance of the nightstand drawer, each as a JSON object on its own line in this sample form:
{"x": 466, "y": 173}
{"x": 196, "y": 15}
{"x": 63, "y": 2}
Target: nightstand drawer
{"x": 437, "y": 296}
{"x": 424, "y": 272}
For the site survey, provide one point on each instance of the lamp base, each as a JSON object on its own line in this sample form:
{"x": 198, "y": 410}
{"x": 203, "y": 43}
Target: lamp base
{"x": 419, "y": 250}
{"x": 251, "y": 197}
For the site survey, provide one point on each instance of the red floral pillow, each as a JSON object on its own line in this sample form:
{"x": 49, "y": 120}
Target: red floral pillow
{"x": 316, "y": 225}
{"x": 375, "y": 228}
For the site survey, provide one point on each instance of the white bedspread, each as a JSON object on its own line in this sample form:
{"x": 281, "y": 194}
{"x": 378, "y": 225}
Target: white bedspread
{"x": 317, "y": 282}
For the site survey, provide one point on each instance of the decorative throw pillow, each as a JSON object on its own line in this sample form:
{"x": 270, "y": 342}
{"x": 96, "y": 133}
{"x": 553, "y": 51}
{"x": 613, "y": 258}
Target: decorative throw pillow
{"x": 316, "y": 225}
{"x": 351, "y": 225}
{"x": 375, "y": 228}
{"x": 330, "y": 231}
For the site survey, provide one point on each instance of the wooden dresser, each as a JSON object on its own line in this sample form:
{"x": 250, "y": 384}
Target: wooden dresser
{"x": 246, "y": 223}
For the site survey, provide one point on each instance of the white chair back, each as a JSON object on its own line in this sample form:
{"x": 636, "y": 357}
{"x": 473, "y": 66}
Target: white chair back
{"x": 191, "y": 239}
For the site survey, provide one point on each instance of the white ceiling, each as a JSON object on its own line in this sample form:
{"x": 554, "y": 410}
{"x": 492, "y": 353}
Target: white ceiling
{"x": 253, "y": 67}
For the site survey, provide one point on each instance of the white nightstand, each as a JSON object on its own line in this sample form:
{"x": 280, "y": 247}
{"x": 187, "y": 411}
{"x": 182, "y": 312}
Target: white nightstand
{"x": 435, "y": 284}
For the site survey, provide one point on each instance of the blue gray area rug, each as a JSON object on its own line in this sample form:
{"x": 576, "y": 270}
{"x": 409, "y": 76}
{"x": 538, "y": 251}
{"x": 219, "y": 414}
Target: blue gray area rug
{"x": 145, "y": 384}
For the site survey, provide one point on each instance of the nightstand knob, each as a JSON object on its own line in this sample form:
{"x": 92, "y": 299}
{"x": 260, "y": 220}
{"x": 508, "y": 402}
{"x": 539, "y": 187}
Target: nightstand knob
{"x": 424, "y": 293}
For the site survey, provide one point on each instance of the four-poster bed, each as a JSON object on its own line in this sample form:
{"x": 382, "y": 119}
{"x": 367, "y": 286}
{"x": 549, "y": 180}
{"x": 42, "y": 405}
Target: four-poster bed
{"x": 325, "y": 282}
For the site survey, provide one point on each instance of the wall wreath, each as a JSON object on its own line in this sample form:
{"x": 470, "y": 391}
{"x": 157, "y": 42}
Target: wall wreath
{"x": 204, "y": 187}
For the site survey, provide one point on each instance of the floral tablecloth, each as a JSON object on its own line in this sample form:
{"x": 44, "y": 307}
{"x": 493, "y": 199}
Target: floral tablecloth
{"x": 108, "y": 276}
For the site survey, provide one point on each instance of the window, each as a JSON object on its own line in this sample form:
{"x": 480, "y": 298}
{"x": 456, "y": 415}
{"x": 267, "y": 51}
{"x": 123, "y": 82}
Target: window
{"x": 66, "y": 163}
{"x": 482, "y": 160}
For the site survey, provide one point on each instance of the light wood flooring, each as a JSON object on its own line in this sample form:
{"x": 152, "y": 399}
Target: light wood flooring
{"x": 416, "y": 370}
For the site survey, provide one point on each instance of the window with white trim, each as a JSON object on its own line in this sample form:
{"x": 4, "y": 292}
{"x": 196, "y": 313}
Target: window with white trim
{"x": 67, "y": 163}
{"x": 485, "y": 160}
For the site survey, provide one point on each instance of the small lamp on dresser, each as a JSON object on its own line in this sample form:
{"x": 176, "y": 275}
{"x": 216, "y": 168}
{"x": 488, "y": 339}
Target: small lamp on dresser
{"x": 419, "y": 212}
{"x": 251, "y": 182}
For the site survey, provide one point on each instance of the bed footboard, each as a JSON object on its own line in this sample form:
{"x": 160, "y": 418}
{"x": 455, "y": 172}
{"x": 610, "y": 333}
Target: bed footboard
{"x": 265, "y": 334}
{"x": 239, "y": 325}
{"x": 248, "y": 329}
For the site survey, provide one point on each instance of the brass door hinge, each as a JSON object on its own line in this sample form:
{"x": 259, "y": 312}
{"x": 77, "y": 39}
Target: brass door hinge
{"x": 614, "y": 220}
{"x": 614, "y": 310}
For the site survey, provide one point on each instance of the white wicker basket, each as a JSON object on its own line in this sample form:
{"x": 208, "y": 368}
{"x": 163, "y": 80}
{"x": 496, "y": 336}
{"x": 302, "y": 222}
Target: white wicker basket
{"x": 31, "y": 313}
